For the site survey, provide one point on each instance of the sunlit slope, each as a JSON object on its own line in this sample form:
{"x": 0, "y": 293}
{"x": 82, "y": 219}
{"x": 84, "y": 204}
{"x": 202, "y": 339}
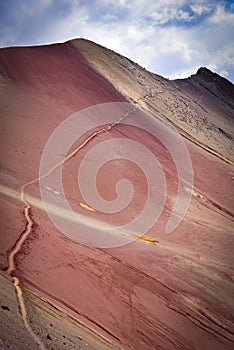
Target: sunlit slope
{"x": 188, "y": 113}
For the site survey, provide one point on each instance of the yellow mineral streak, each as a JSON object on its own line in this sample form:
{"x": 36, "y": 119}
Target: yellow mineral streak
{"x": 143, "y": 238}
{"x": 87, "y": 207}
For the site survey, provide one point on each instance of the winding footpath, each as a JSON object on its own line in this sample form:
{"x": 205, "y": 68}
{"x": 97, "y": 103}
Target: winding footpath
{"x": 29, "y": 225}
{"x": 27, "y": 211}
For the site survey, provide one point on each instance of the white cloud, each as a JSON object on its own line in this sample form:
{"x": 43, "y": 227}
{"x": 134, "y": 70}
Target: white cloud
{"x": 224, "y": 73}
{"x": 201, "y": 9}
{"x": 221, "y": 15}
{"x": 36, "y": 8}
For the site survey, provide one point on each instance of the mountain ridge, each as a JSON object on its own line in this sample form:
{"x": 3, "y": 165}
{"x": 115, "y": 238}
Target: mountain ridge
{"x": 167, "y": 98}
{"x": 188, "y": 104}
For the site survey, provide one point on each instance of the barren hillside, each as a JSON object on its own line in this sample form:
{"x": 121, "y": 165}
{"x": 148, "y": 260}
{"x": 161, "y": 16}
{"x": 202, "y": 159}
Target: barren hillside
{"x": 90, "y": 280}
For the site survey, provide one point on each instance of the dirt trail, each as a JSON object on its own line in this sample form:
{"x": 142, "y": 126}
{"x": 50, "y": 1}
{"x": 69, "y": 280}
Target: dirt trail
{"x": 166, "y": 297}
{"x": 29, "y": 225}
{"x": 29, "y": 221}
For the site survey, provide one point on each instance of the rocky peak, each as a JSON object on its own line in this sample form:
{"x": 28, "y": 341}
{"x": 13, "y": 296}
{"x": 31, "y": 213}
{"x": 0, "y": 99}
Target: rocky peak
{"x": 214, "y": 81}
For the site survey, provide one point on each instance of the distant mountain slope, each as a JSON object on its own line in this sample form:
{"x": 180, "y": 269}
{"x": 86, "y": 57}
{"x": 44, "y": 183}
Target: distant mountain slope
{"x": 220, "y": 87}
{"x": 189, "y": 113}
{"x": 216, "y": 95}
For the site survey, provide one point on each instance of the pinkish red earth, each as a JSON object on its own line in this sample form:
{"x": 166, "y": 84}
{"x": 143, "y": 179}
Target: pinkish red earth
{"x": 176, "y": 294}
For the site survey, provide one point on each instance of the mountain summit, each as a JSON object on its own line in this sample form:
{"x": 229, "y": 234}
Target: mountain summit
{"x": 214, "y": 82}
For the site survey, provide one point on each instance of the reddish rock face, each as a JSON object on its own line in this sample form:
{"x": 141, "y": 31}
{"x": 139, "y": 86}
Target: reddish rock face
{"x": 159, "y": 291}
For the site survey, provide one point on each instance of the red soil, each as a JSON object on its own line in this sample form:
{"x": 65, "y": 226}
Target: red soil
{"x": 173, "y": 295}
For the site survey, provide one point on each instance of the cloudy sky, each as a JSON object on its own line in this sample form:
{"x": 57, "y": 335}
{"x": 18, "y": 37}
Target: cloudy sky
{"x": 169, "y": 37}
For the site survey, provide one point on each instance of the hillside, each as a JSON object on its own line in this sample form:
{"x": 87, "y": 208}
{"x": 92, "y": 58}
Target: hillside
{"x": 118, "y": 283}
{"x": 172, "y": 99}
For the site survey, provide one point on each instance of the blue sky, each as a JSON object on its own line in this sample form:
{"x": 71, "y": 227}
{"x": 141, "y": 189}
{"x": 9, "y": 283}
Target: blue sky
{"x": 168, "y": 37}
